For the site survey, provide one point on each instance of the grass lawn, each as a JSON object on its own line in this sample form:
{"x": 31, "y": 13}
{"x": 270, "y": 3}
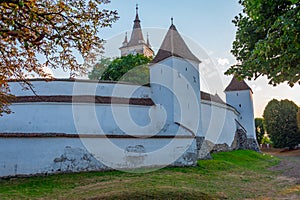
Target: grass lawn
{"x": 231, "y": 175}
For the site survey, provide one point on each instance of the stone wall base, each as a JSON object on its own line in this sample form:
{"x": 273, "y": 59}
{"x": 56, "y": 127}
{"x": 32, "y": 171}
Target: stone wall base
{"x": 242, "y": 142}
{"x": 203, "y": 149}
{"x": 252, "y": 144}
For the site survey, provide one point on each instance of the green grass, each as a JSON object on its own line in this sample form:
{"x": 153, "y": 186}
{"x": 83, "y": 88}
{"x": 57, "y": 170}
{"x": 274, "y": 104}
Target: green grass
{"x": 232, "y": 175}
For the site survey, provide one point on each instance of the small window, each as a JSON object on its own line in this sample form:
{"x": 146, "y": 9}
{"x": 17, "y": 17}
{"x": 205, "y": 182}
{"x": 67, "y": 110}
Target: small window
{"x": 186, "y": 69}
{"x": 187, "y": 86}
{"x": 237, "y": 94}
{"x": 161, "y": 71}
{"x": 240, "y": 105}
{"x": 241, "y": 117}
{"x": 194, "y": 79}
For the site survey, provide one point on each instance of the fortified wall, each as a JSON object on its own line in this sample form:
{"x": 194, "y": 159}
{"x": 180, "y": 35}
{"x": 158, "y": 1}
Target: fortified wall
{"x": 79, "y": 125}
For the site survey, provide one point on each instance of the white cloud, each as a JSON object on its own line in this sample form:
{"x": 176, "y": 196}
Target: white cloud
{"x": 223, "y": 61}
{"x": 256, "y": 88}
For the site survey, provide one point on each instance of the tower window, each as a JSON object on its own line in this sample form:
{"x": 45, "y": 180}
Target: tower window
{"x": 194, "y": 79}
{"x": 186, "y": 69}
{"x": 240, "y": 105}
{"x": 237, "y": 94}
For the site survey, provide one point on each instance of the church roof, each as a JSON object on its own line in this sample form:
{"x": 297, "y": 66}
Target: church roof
{"x": 174, "y": 45}
{"x": 210, "y": 97}
{"x": 137, "y": 34}
{"x": 236, "y": 85}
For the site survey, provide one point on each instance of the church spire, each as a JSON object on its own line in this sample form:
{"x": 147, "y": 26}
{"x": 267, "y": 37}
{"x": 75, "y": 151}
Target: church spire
{"x": 136, "y": 44}
{"x": 137, "y": 35}
{"x": 137, "y": 21}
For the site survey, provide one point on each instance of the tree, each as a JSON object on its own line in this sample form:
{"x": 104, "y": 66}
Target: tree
{"x": 99, "y": 69}
{"x": 259, "y": 129}
{"x": 266, "y": 140}
{"x": 281, "y": 123}
{"x": 35, "y": 34}
{"x": 267, "y": 41}
{"x": 130, "y": 68}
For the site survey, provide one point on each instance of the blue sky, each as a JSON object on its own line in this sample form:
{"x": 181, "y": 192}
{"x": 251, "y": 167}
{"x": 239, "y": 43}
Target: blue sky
{"x": 205, "y": 25}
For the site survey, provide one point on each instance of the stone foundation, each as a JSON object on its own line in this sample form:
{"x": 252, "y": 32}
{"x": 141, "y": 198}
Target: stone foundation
{"x": 242, "y": 142}
{"x": 203, "y": 149}
{"x": 221, "y": 148}
{"x": 252, "y": 145}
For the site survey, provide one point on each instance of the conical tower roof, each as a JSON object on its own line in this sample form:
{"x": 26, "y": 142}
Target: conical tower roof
{"x": 236, "y": 85}
{"x": 174, "y": 45}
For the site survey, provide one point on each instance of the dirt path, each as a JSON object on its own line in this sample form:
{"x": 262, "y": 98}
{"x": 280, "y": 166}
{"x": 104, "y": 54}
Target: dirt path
{"x": 289, "y": 165}
{"x": 290, "y": 168}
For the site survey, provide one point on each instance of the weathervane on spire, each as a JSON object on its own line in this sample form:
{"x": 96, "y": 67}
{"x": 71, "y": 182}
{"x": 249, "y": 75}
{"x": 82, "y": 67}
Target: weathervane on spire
{"x": 172, "y": 20}
{"x": 137, "y": 8}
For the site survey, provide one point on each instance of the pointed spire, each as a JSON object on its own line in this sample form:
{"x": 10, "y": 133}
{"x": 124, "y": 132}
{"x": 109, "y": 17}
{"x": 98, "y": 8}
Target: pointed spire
{"x": 125, "y": 40}
{"x": 137, "y": 35}
{"x": 236, "y": 85}
{"x": 137, "y": 43}
{"x": 148, "y": 41}
{"x": 174, "y": 45}
{"x": 137, "y": 20}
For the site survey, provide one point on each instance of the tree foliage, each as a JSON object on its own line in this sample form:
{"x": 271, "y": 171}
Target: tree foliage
{"x": 259, "y": 129}
{"x": 266, "y": 140}
{"x": 281, "y": 123}
{"x": 99, "y": 69}
{"x": 51, "y": 31}
{"x": 130, "y": 68}
{"x": 267, "y": 41}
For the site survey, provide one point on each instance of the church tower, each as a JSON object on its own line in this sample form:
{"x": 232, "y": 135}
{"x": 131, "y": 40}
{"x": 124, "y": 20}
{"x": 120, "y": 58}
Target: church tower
{"x": 136, "y": 44}
{"x": 239, "y": 95}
